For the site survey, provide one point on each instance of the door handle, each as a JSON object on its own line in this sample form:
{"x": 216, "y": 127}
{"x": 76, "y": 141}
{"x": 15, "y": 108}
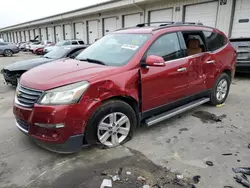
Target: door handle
{"x": 182, "y": 69}
{"x": 210, "y": 62}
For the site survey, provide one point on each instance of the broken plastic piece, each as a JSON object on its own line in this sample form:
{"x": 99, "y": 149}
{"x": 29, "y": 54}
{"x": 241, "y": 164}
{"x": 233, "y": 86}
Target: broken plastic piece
{"x": 116, "y": 178}
{"x": 146, "y": 186}
{"x": 180, "y": 177}
{"x": 196, "y": 179}
{"x": 128, "y": 173}
{"x": 220, "y": 105}
{"x": 242, "y": 170}
{"x": 210, "y": 163}
{"x": 242, "y": 181}
{"x": 140, "y": 178}
{"x": 226, "y": 154}
{"x": 106, "y": 183}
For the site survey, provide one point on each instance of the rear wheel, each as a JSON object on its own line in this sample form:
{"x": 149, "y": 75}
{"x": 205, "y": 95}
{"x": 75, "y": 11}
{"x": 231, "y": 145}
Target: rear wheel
{"x": 221, "y": 89}
{"x": 7, "y": 53}
{"x": 111, "y": 125}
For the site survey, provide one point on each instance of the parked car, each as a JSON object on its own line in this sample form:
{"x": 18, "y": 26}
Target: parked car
{"x": 39, "y": 51}
{"x": 42, "y": 44}
{"x": 13, "y": 71}
{"x": 8, "y": 49}
{"x": 63, "y": 43}
{"x": 134, "y": 76}
{"x": 1, "y": 40}
{"x": 242, "y": 47}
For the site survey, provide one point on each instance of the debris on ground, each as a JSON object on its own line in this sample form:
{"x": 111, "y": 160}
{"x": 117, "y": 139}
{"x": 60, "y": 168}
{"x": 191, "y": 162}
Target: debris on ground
{"x": 116, "y": 178}
{"x": 140, "y": 178}
{"x": 120, "y": 171}
{"x": 146, "y": 186}
{"x": 179, "y": 177}
{"x": 242, "y": 170}
{"x": 104, "y": 174}
{"x": 207, "y": 117}
{"x": 227, "y": 186}
{"x": 106, "y": 183}
{"x": 220, "y": 105}
{"x": 209, "y": 163}
{"x": 128, "y": 173}
{"x": 227, "y": 154}
{"x": 249, "y": 146}
{"x": 242, "y": 181}
{"x": 196, "y": 179}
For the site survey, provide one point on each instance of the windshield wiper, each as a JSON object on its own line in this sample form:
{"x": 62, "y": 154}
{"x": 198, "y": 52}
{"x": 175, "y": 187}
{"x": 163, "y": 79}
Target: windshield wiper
{"x": 92, "y": 61}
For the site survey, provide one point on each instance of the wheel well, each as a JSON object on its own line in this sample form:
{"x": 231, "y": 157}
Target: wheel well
{"x": 229, "y": 73}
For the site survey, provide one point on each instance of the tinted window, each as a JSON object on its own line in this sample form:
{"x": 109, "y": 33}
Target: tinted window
{"x": 66, "y": 43}
{"x": 74, "y": 43}
{"x": 214, "y": 40}
{"x": 166, "y": 46}
{"x": 75, "y": 53}
{"x": 57, "y": 53}
{"x": 81, "y": 42}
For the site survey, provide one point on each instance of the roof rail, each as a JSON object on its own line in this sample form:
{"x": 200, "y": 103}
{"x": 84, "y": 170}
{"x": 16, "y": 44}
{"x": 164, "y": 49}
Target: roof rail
{"x": 165, "y": 23}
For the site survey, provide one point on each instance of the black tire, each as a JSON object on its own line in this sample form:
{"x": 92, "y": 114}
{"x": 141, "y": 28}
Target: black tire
{"x": 213, "y": 98}
{"x": 8, "y": 53}
{"x": 106, "y": 108}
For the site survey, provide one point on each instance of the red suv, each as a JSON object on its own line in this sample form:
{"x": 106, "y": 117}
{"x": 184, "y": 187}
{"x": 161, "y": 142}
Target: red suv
{"x": 141, "y": 75}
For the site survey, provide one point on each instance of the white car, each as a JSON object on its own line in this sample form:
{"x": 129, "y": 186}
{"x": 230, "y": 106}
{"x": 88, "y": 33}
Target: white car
{"x": 1, "y": 40}
{"x": 63, "y": 43}
{"x": 39, "y": 45}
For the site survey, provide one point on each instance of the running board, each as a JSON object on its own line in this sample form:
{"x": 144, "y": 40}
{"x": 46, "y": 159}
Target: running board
{"x": 166, "y": 115}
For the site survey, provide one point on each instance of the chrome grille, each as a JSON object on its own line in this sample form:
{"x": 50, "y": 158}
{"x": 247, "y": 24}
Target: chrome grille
{"x": 27, "y": 97}
{"x": 24, "y": 125}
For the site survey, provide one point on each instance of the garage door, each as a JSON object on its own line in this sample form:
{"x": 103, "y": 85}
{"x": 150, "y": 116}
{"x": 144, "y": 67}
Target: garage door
{"x": 80, "y": 33}
{"x": 27, "y": 37}
{"x": 58, "y": 31}
{"x": 93, "y": 30}
{"x": 161, "y": 15}
{"x": 67, "y": 32}
{"x": 37, "y": 34}
{"x": 205, "y": 13}
{"x": 9, "y": 36}
{"x": 43, "y": 34}
{"x": 22, "y": 36}
{"x": 131, "y": 20}
{"x": 241, "y": 22}
{"x": 15, "y": 37}
{"x": 51, "y": 34}
{"x": 32, "y": 36}
{"x": 18, "y": 36}
{"x": 109, "y": 24}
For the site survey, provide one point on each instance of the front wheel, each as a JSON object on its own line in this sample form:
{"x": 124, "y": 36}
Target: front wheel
{"x": 111, "y": 125}
{"x": 220, "y": 90}
{"x": 7, "y": 53}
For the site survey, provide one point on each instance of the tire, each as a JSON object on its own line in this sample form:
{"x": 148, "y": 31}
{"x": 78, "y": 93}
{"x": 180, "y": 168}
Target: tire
{"x": 94, "y": 131}
{"x": 220, "y": 90}
{"x": 8, "y": 53}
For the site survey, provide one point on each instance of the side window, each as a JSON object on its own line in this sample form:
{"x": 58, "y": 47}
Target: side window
{"x": 81, "y": 42}
{"x": 167, "y": 46}
{"x": 195, "y": 42}
{"x": 2, "y": 43}
{"x": 66, "y": 43}
{"x": 74, "y": 53}
{"x": 215, "y": 41}
{"x": 74, "y": 42}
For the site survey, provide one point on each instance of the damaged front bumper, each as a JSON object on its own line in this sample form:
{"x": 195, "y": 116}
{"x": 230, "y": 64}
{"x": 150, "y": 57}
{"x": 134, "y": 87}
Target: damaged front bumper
{"x": 10, "y": 77}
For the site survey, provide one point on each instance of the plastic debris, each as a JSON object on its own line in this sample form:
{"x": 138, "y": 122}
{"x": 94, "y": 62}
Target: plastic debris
{"x": 128, "y": 173}
{"x": 209, "y": 163}
{"x": 120, "y": 171}
{"x": 180, "y": 177}
{"x": 140, "y": 178}
{"x": 227, "y": 154}
{"x": 106, "y": 183}
{"x": 242, "y": 170}
{"x": 196, "y": 179}
{"x": 146, "y": 186}
{"x": 220, "y": 105}
{"x": 116, "y": 178}
{"x": 242, "y": 181}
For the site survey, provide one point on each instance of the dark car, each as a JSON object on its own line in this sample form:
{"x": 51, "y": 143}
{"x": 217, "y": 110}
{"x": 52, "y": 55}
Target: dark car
{"x": 8, "y": 49}
{"x": 142, "y": 75}
{"x": 242, "y": 46}
{"x": 13, "y": 71}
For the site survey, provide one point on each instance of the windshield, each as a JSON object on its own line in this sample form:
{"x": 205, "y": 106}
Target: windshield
{"x": 114, "y": 49}
{"x": 57, "y": 53}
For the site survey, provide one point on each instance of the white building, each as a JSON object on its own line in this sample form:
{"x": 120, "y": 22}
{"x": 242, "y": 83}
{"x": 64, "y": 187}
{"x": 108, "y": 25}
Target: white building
{"x": 90, "y": 23}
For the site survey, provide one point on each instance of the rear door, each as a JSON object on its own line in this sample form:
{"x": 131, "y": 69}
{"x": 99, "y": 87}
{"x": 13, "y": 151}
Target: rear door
{"x": 162, "y": 85}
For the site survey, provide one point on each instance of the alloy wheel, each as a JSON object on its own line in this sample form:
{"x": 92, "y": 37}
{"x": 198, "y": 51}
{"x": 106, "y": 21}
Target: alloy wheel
{"x": 113, "y": 129}
{"x": 221, "y": 91}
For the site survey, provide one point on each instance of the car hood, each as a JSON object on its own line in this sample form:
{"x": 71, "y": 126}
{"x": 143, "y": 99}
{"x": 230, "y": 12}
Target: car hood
{"x": 27, "y": 64}
{"x": 63, "y": 72}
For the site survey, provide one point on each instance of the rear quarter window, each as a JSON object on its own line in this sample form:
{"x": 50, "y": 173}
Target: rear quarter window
{"x": 215, "y": 41}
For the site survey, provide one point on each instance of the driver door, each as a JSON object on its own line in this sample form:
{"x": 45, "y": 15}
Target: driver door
{"x": 163, "y": 85}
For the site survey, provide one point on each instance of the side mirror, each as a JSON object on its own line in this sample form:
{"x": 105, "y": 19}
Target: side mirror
{"x": 155, "y": 61}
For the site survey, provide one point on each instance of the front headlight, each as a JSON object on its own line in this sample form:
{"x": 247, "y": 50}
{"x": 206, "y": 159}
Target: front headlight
{"x": 64, "y": 95}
